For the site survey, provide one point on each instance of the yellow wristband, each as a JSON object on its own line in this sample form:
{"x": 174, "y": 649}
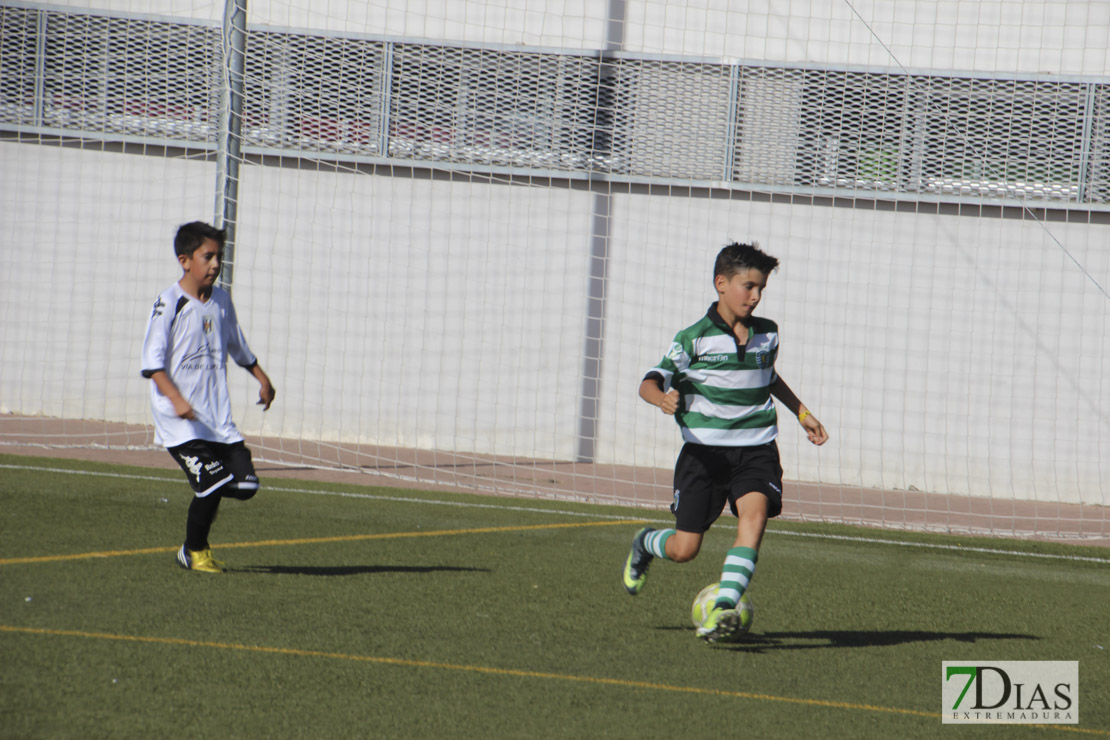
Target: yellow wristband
{"x": 802, "y": 416}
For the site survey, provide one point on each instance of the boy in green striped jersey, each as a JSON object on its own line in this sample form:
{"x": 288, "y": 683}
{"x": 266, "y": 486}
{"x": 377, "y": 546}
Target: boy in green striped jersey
{"x": 718, "y": 380}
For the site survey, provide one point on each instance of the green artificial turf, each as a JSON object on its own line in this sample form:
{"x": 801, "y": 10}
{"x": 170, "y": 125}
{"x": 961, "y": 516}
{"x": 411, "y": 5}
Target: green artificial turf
{"x": 350, "y": 611}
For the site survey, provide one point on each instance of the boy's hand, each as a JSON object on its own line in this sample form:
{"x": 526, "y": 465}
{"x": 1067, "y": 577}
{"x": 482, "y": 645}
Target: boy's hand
{"x": 266, "y": 390}
{"x": 266, "y": 395}
{"x": 669, "y": 402}
{"x": 183, "y": 410}
{"x": 814, "y": 429}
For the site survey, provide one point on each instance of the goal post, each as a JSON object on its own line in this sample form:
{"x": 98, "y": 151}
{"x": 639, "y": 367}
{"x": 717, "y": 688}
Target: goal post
{"x": 465, "y": 229}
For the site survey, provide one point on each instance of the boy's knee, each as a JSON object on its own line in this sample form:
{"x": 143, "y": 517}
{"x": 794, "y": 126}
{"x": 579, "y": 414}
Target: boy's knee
{"x": 752, "y": 519}
{"x": 682, "y": 551}
{"x": 243, "y": 490}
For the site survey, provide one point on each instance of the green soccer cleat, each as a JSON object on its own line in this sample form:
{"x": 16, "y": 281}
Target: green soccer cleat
{"x": 199, "y": 560}
{"x": 635, "y": 567}
{"x": 721, "y": 625}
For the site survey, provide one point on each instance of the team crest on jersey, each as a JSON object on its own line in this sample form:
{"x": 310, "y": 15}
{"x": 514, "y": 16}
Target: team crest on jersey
{"x": 207, "y": 324}
{"x": 763, "y": 359}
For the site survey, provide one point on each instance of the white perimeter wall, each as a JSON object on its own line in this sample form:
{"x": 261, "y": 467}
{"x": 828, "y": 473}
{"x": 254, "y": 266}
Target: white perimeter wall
{"x": 947, "y": 353}
{"x": 955, "y": 354}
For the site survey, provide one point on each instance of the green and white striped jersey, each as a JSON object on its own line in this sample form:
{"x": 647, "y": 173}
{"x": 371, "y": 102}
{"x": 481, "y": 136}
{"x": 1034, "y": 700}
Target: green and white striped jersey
{"x": 725, "y": 386}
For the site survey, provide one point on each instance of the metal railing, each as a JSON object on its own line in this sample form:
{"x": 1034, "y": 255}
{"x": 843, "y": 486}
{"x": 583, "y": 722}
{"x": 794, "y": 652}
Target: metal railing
{"x": 778, "y": 129}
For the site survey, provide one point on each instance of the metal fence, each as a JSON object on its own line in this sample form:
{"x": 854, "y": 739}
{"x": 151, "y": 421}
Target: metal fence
{"x": 778, "y": 129}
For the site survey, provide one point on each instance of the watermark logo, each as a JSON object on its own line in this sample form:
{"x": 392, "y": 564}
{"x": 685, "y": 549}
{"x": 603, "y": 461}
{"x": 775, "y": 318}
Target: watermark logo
{"x": 1010, "y": 692}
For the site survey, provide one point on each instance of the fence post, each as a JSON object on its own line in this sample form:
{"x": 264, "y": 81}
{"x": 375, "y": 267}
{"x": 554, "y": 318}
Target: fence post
{"x": 601, "y": 211}
{"x": 230, "y": 131}
{"x": 1085, "y": 146}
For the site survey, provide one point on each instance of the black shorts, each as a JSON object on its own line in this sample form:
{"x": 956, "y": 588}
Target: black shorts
{"x": 211, "y": 465}
{"x": 705, "y": 477}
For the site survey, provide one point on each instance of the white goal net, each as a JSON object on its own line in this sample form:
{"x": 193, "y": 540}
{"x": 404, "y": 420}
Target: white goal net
{"x": 466, "y": 228}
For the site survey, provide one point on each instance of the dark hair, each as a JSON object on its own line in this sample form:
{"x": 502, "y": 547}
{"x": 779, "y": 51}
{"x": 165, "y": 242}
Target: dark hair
{"x": 191, "y": 235}
{"x": 737, "y": 257}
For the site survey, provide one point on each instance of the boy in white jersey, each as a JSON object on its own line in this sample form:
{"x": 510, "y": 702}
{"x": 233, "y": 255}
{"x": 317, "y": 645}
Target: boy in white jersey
{"x": 191, "y": 332}
{"x": 717, "y": 380}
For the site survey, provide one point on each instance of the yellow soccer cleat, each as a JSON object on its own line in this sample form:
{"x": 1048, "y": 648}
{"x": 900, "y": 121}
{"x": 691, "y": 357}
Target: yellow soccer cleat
{"x": 199, "y": 560}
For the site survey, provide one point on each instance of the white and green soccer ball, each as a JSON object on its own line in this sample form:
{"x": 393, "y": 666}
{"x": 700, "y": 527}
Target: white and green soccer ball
{"x": 707, "y": 597}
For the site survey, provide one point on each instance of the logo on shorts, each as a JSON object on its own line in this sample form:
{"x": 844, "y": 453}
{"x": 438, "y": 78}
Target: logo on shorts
{"x": 207, "y": 324}
{"x": 674, "y": 504}
{"x": 193, "y": 464}
{"x": 774, "y": 488}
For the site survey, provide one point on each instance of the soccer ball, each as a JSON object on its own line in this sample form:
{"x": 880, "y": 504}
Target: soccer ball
{"x": 707, "y": 597}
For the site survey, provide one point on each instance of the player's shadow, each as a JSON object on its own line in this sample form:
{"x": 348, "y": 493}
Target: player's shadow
{"x": 352, "y": 570}
{"x": 824, "y": 639}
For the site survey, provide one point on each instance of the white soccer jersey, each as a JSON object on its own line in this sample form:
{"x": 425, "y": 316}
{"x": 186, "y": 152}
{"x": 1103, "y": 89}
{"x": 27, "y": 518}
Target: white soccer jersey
{"x": 191, "y": 341}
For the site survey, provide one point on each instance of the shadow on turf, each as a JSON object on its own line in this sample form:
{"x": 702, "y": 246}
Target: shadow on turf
{"x": 351, "y": 570}
{"x": 818, "y": 639}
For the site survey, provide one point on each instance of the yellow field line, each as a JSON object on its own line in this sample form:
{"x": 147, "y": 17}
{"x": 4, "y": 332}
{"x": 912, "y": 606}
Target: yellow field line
{"x": 487, "y": 670}
{"x": 318, "y": 540}
{"x": 516, "y": 673}
{"x": 512, "y": 672}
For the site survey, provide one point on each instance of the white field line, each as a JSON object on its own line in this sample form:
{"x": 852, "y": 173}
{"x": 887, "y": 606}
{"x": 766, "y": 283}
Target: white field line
{"x": 536, "y": 510}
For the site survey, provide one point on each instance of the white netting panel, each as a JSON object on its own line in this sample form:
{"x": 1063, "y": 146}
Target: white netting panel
{"x": 466, "y": 229}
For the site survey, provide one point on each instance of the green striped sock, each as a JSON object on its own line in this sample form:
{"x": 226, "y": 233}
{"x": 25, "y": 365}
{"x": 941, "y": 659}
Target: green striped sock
{"x": 656, "y": 542}
{"x": 735, "y": 576}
